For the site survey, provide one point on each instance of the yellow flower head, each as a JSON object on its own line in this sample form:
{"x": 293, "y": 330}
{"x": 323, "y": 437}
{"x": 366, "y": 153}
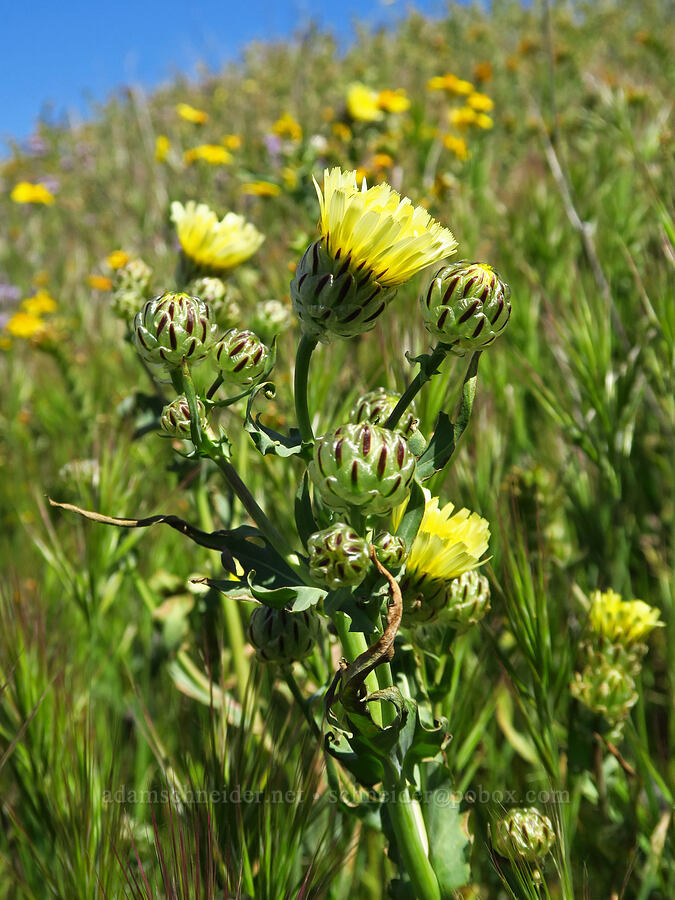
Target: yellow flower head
{"x": 40, "y": 304}
{"x": 393, "y": 101}
{"x": 214, "y": 154}
{"x": 260, "y": 189}
{"x": 462, "y": 116}
{"x": 456, "y": 145}
{"x": 450, "y": 83}
{"x": 362, "y": 103}
{"x": 377, "y": 230}
{"x": 162, "y": 147}
{"x": 446, "y": 546}
{"x": 25, "y": 325}
{"x": 233, "y": 141}
{"x": 483, "y": 71}
{"x": 480, "y": 102}
{"x": 286, "y": 126}
{"x": 100, "y": 282}
{"x": 623, "y": 622}
{"x": 191, "y": 114}
{"x": 117, "y": 259}
{"x": 484, "y": 121}
{"x": 211, "y": 243}
{"x": 25, "y": 192}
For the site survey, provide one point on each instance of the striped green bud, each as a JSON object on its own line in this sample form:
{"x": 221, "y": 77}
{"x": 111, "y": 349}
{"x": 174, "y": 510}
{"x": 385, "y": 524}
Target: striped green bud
{"x": 131, "y": 286}
{"x": 468, "y": 600}
{"x": 269, "y": 318}
{"x": 606, "y": 688}
{"x": 175, "y": 419}
{"x": 220, "y": 298}
{"x": 364, "y": 467}
{"x": 172, "y": 328}
{"x": 332, "y": 301}
{"x": 524, "y": 833}
{"x": 281, "y": 636}
{"x": 242, "y": 357}
{"x": 466, "y": 306}
{"x": 338, "y": 557}
{"x": 390, "y": 550}
{"x": 376, "y": 406}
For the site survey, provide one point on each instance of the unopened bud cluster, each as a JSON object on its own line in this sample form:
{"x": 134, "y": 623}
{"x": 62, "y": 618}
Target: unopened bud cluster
{"x": 523, "y": 834}
{"x": 173, "y": 328}
{"x": 282, "y": 637}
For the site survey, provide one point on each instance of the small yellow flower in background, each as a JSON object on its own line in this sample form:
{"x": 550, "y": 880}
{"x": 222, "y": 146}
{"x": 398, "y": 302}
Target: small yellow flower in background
{"x": 162, "y": 147}
{"x": 100, "y": 282}
{"x": 393, "y": 101}
{"x": 25, "y": 192}
{"x": 383, "y": 161}
{"x": 450, "y": 83}
{"x": 462, "y": 116}
{"x": 480, "y": 102}
{"x": 328, "y": 114}
{"x": 233, "y": 141}
{"x": 5, "y": 343}
{"x": 456, "y": 145}
{"x": 191, "y": 114}
{"x": 342, "y": 132}
{"x": 117, "y": 259}
{"x": 286, "y": 126}
{"x": 512, "y": 63}
{"x": 211, "y": 243}
{"x": 214, "y": 154}
{"x": 40, "y": 304}
{"x": 377, "y": 230}
{"x": 484, "y": 121}
{"x": 260, "y": 189}
{"x": 623, "y": 622}
{"x": 362, "y": 103}
{"x": 527, "y": 45}
{"x": 483, "y": 72}
{"x": 290, "y": 177}
{"x": 25, "y": 325}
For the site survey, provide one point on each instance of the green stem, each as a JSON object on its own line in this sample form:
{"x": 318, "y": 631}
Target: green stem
{"x": 406, "y": 819}
{"x": 434, "y": 360}
{"x": 299, "y": 698}
{"x": 302, "y": 358}
{"x": 354, "y": 643}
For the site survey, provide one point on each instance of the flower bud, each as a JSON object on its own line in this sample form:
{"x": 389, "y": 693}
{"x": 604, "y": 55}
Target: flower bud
{"x": 524, "y": 833}
{"x": 390, "y": 550}
{"x": 131, "y": 286}
{"x": 175, "y": 418}
{"x": 338, "y": 557}
{"x": 376, "y": 406}
{"x": 281, "y": 636}
{"x": 270, "y": 317}
{"x": 468, "y": 599}
{"x": 172, "y": 328}
{"x": 242, "y": 357}
{"x": 331, "y": 301}
{"x": 605, "y": 688}
{"x": 362, "y": 466}
{"x": 220, "y": 299}
{"x": 466, "y": 306}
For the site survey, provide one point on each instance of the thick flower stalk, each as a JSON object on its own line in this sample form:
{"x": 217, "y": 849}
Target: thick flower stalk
{"x": 212, "y": 245}
{"x": 281, "y": 636}
{"x": 446, "y": 546}
{"x": 338, "y": 557}
{"x": 466, "y": 306}
{"x": 372, "y": 240}
{"x": 362, "y": 467}
{"x": 172, "y": 328}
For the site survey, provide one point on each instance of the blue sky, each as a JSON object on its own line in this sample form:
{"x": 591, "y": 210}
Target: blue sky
{"x": 57, "y": 55}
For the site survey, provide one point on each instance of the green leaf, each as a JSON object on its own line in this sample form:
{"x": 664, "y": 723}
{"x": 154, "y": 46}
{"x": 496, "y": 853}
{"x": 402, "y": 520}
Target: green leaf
{"x": 412, "y": 518}
{"x": 295, "y": 597}
{"x": 449, "y": 839}
{"x": 443, "y": 442}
